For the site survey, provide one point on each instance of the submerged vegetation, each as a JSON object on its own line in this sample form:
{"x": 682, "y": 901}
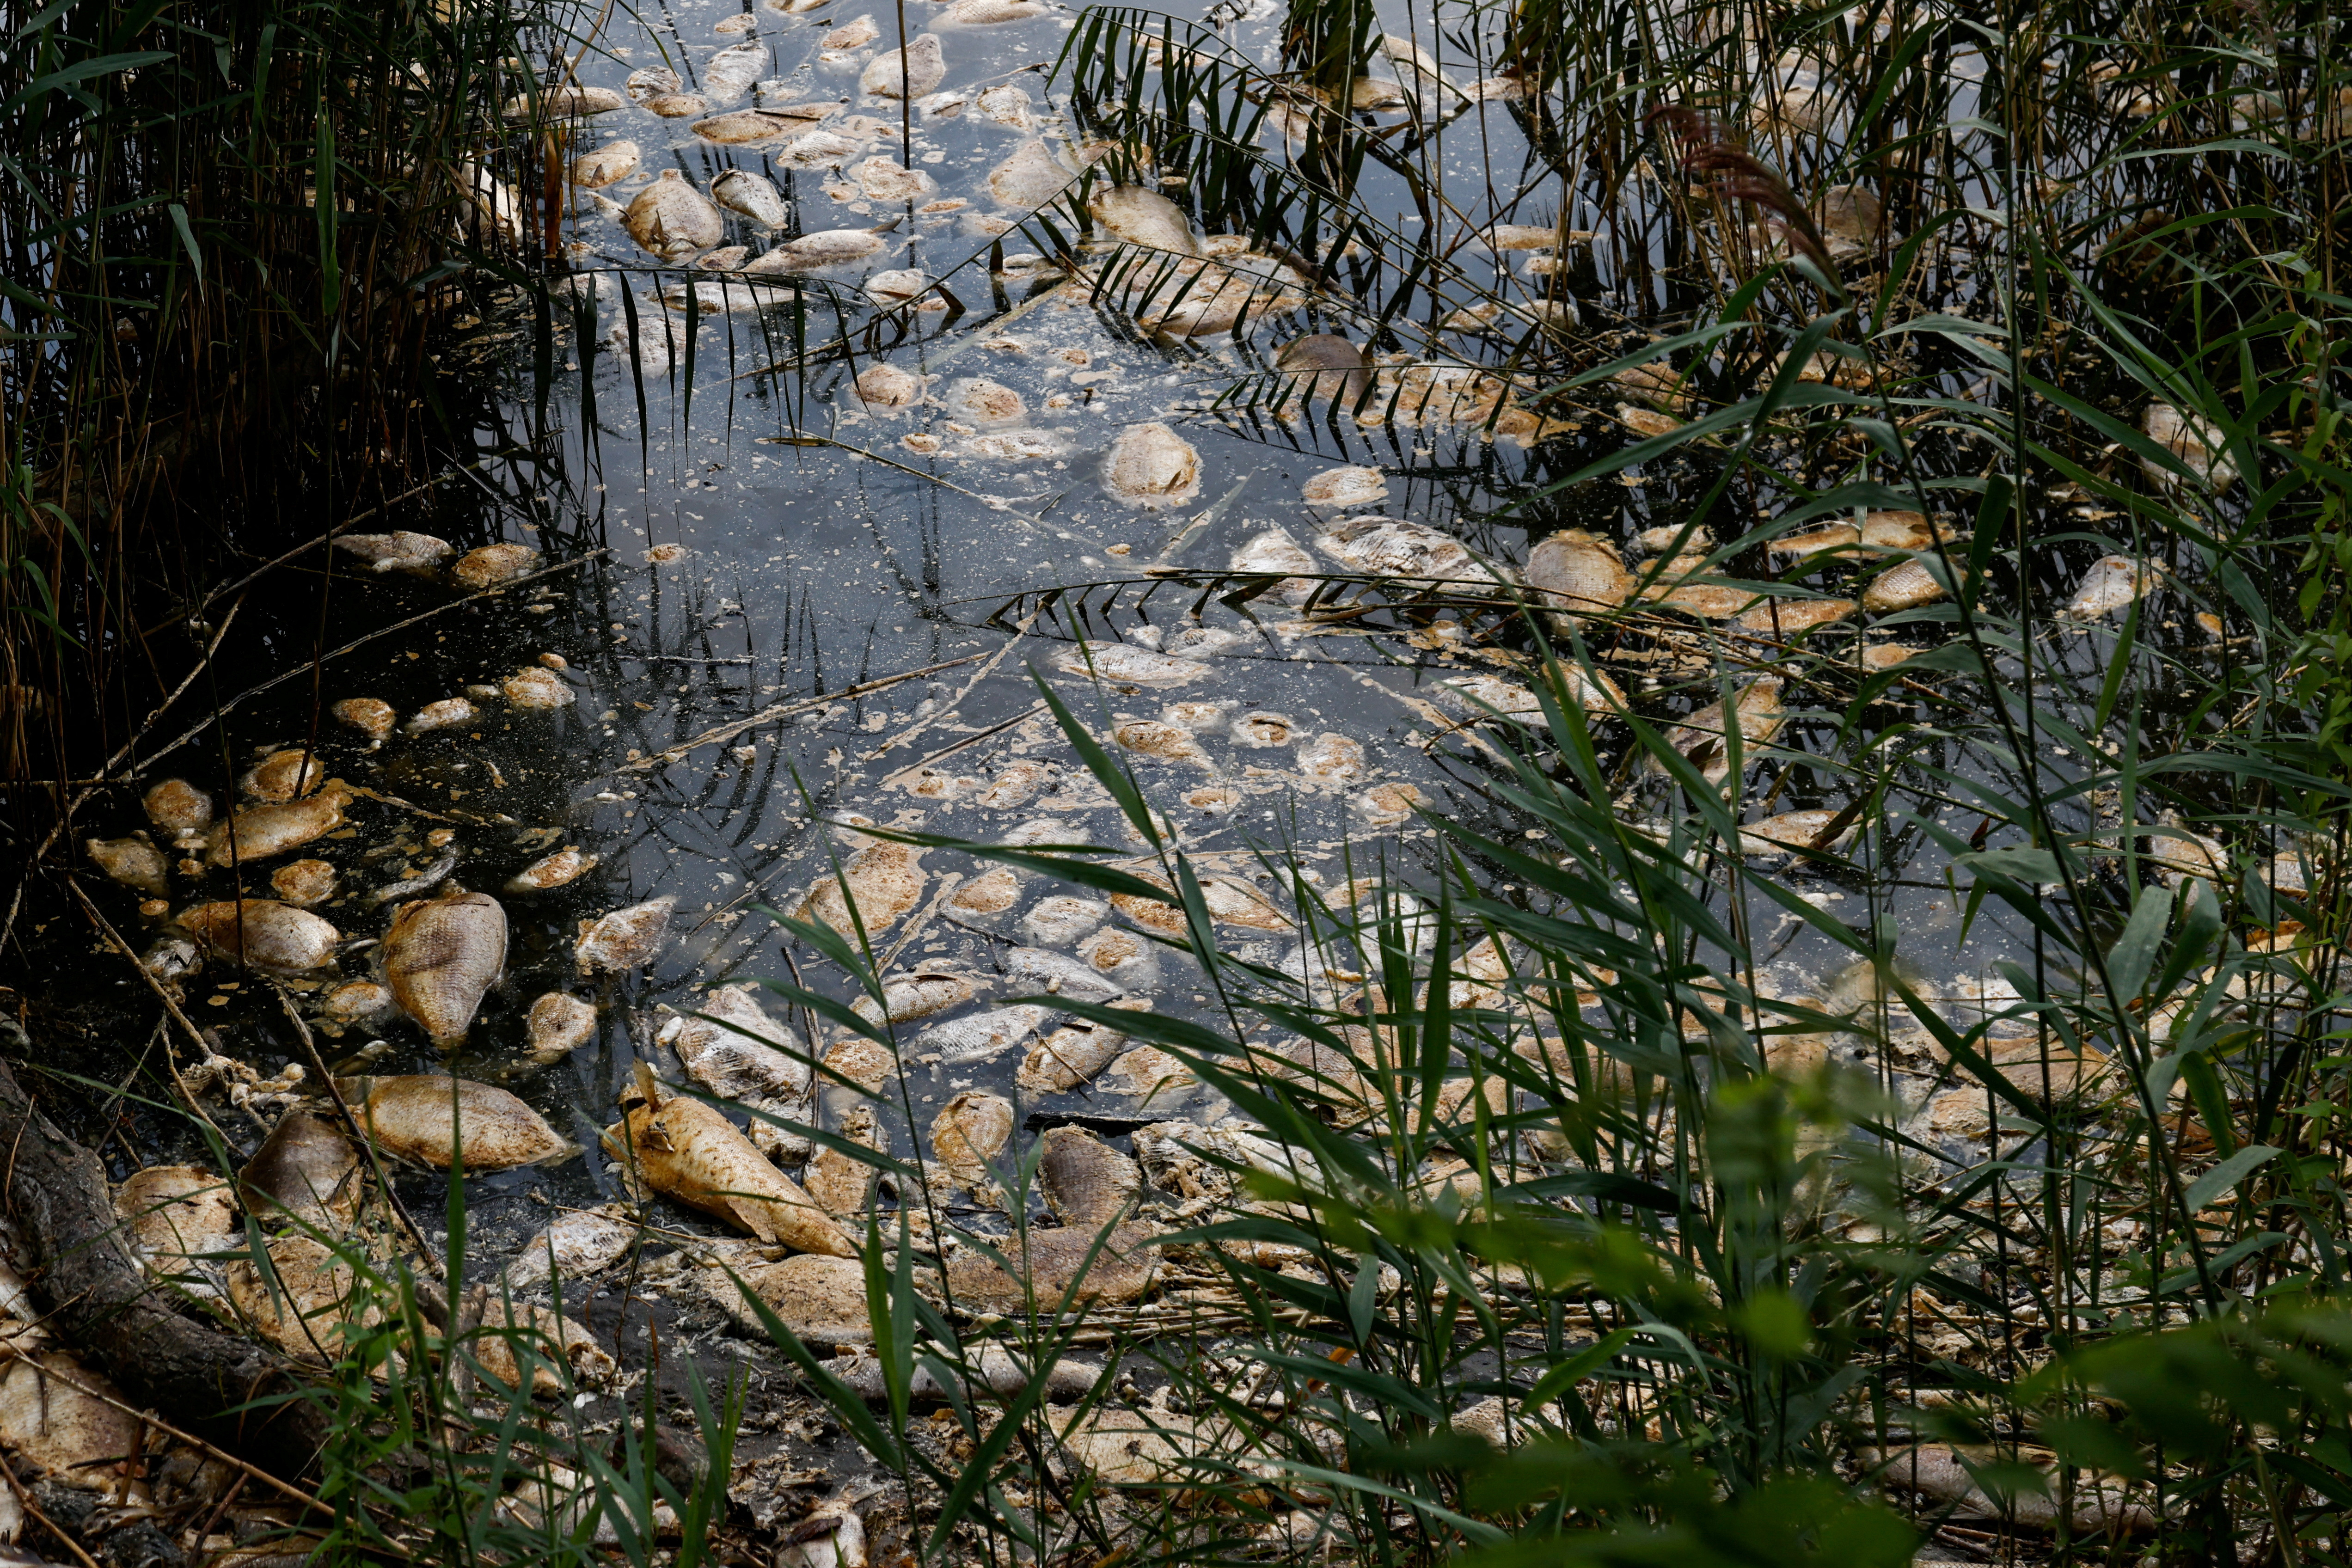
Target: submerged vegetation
{"x": 1850, "y": 1069}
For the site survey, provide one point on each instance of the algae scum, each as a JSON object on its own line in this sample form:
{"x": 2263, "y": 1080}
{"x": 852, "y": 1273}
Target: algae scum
{"x": 894, "y": 397}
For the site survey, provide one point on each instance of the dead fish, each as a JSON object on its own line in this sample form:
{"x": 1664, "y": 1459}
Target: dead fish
{"x": 307, "y": 1302}
{"x": 727, "y": 73}
{"x": 884, "y": 385}
{"x": 1342, "y": 374}
{"x": 817, "y": 150}
{"x": 261, "y": 933}
{"x": 397, "y": 551}
{"x": 258, "y": 832}
{"x": 132, "y": 861}
{"x": 1128, "y": 665}
{"x": 1147, "y": 1072}
{"x": 1007, "y": 104}
{"x": 1343, "y": 488}
{"x": 743, "y": 128}
{"x": 1017, "y": 783}
{"x": 449, "y": 713}
{"x": 1086, "y": 1180}
{"x": 736, "y": 1050}
{"x": 1384, "y": 547}
{"x": 625, "y": 938}
{"x": 564, "y": 100}
{"x": 1907, "y": 587}
{"x": 866, "y": 1064}
{"x": 910, "y": 72}
{"x": 753, "y": 196}
{"x": 688, "y": 1152}
{"x": 440, "y": 956}
{"x": 1332, "y": 761}
{"x": 1684, "y": 582}
{"x": 1877, "y": 533}
{"x": 968, "y": 1131}
{"x": 982, "y": 902}
{"x": 1576, "y": 573}
{"x": 607, "y": 165}
{"x": 810, "y": 252}
{"x": 1262, "y": 730}
{"x": 979, "y": 1036}
{"x": 851, "y": 35}
{"x": 994, "y": 1372}
{"x": 678, "y": 105}
{"x": 1030, "y": 178}
{"x": 283, "y": 775}
{"x": 884, "y": 180}
{"x": 1776, "y": 837}
{"x": 176, "y": 805}
{"x": 549, "y": 872}
{"x": 1056, "y": 974}
{"x": 1069, "y": 1057}
{"x": 984, "y": 403}
{"x": 908, "y": 997}
{"x": 1152, "y": 467}
{"x": 650, "y": 81}
{"x": 431, "y": 1119}
{"x": 1163, "y": 742}
{"x": 576, "y": 1246}
{"x": 493, "y": 564}
{"x": 1122, "y": 958}
{"x": 883, "y": 881}
{"x": 1935, "y": 1471}
{"x": 539, "y": 690}
{"x": 821, "y": 1300}
{"x": 2112, "y": 583}
{"x": 1274, "y": 552}
{"x": 178, "y": 1215}
{"x": 991, "y": 13}
{"x": 673, "y": 220}
{"x": 72, "y": 1438}
{"x": 1061, "y": 921}
{"x": 840, "y": 1182}
{"x": 2196, "y": 440}
{"x": 896, "y": 287}
{"x": 1055, "y": 1265}
{"x": 304, "y": 882}
{"x": 558, "y": 1024}
{"x": 553, "y": 1344}
{"x": 436, "y": 871}
{"x": 1701, "y": 737}
{"x": 357, "y": 1002}
{"x": 1477, "y": 698}
{"x": 1786, "y": 617}
{"x": 307, "y": 1168}
{"x": 1137, "y": 215}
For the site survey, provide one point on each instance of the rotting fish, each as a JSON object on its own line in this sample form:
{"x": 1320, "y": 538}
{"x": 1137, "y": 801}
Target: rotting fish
{"x": 1385, "y": 547}
{"x": 132, "y": 861}
{"x": 977, "y": 1036}
{"x": 440, "y": 956}
{"x": 258, "y": 832}
{"x": 673, "y": 220}
{"x": 2112, "y": 583}
{"x": 176, "y": 805}
{"x": 996, "y": 1371}
{"x": 838, "y": 1181}
{"x": 688, "y": 1151}
{"x": 1056, "y": 974}
{"x": 1086, "y": 1180}
{"x": 908, "y": 997}
{"x": 1122, "y": 958}
{"x": 283, "y": 775}
{"x": 1701, "y": 738}
{"x": 736, "y": 1050}
{"x": 883, "y": 881}
{"x": 753, "y": 196}
{"x": 178, "y": 1215}
{"x": 1163, "y": 742}
{"x": 607, "y": 165}
{"x": 1341, "y": 373}
{"x": 625, "y": 938}
{"x": 968, "y": 1131}
{"x": 1332, "y": 761}
{"x": 884, "y": 180}
{"x": 493, "y": 564}
{"x": 397, "y": 551}
{"x": 304, "y": 882}
{"x": 305, "y": 1306}
{"x": 1343, "y": 488}
{"x": 884, "y": 385}
{"x": 1030, "y": 177}
{"x": 1069, "y": 1057}
{"x": 264, "y": 934}
{"x": 564, "y": 100}
{"x": 307, "y": 1168}
{"x": 532, "y": 690}
{"x": 1136, "y": 215}
{"x": 1575, "y": 573}
{"x": 811, "y": 252}
{"x": 511, "y": 1329}
{"x": 2196, "y": 440}
{"x": 1778, "y": 837}
{"x": 576, "y": 1246}
{"x": 1061, "y": 921}
{"x": 1062, "y": 1264}
{"x": 430, "y": 1120}
{"x": 557, "y": 1025}
{"x": 991, "y": 13}
{"x": 1152, "y": 467}
{"x": 434, "y": 873}
{"x": 449, "y": 713}
{"x": 1479, "y": 698}
{"x": 1907, "y": 587}
{"x": 821, "y": 1300}
{"x": 1128, "y": 665}
{"x": 984, "y": 403}
{"x": 549, "y": 872}
{"x": 910, "y": 72}
{"x": 727, "y": 73}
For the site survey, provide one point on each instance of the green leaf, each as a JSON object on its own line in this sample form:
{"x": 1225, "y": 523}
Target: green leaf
{"x": 2226, "y": 1175}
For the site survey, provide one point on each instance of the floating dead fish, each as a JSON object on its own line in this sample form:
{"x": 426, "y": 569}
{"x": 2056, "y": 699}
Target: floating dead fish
{"x": 1262, "y": 730}
{"x": 1791, "y": 831}
{"x": 1934, "y": 1470}
{"x": 304, "y": 882}
{"x": 884, "y": 385}
{"x": 1332, "y": 761}
{"x": 2112, "y": 583}
{"x": 1790, "y": 618}
{"x": 1008, "y": 103}
{"x": 305, "y": 1168}
{"x": 908, "y": 997}
{"x": 493, "y": 564}
{"x": 817, "y": 150}
{"x": 742, "y": 127}
{"x": 1878, "y": 532}
{"x": 673, "y": 220}
{"x": 649, "y": 82}
{"x": 1061, "y": 921}
{"x": 1055, "y": 1265}
{"x": 429, "y": 1119}
{"x": 991, "y": 13}
{"x": 1016, "y": 782}
{"x": 744, "y": 1054}
{"x": 548, "y": 872}
{"x": 810, "y": 252}
{"x": 1016, "y": 446}
{"x": 1701, "y": 737}
{"x": 1344, "y": 489}
{"x": 979, "y": 1036}
{"x": 564, "y": 100}
{"x": 1056, "y": 973}
{"x": 1122, "y": 958}
{"x": 283, "y": 775}
{"x": 984, "y": 403}
{"x": 259, "y": 832}
{"x": 607, "y": 165}
{"x": 178, "y": 1215}
{"x": 1127, "y": 664}
{"x": 1152, "y": 467}
{"x": 896, "y": 285}
{"x": 821, "y": 1300}
{"x": 357, "y": 1002}
{"x": 882, "y": 180}
{"x": 1163, "y": 742}
{"x": 1069, "y": 1057}
{"x": 576, "y": 1246}
{"x": 555, "y": 1344}
{"x": 968, "y": 1131}
{"x": 625, "y": 938}
{"x": 1030, "y": 178}
{"x": 1086, "y": 1180}
{"x": 275, "y": 938}
{"x": 434, "y": 873}
{"x": 558, "y": 1024}
{"x": 1477, "y": 698}
{"x": 310, "y": 1299}
{"x": 727, "y": 73}
{"x": 1659, "y": 384}
{"x": 66, "y": 1435}
{"x": 753, "y": 196}
{"x": 2196, "y": 440}
{"x": 678, "y": 105}
{"x": 1136, "y": 215}
{"x": 397, "y": 551}
{"x": 1852, "y": 218}
{"x": 867, "y": 1064}
{"x": 910, "y": 72}
{"x": 1686, "y": 582}
{"x": 851, "y": 35}
{"x": 688, "y": 1152}
{"x": 1385, "y": 547}
{"x": 1907, "y": 587}
{"x": 440, "y": 956}
{"x": 884, "y": 881}
{"x": 176, "y": 805}
{"x": 1342, "y": 375}
{"x": 983, "y": 902}
{"x": 132, "y": 861}
{"x": 1388, "y": 805}
{"x": 841, "y": 1182}
{"x": 449, "y": 713}
{"x": 535, "y": 690}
